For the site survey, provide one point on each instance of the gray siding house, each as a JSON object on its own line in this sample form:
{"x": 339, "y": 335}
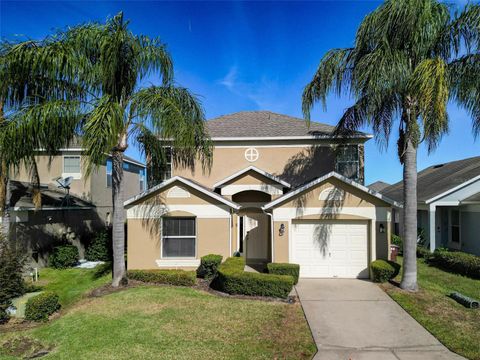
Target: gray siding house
{"x": 448, "y": 205}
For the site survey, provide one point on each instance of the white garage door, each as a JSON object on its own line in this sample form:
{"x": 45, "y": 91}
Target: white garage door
{"x": 330, "y": 249}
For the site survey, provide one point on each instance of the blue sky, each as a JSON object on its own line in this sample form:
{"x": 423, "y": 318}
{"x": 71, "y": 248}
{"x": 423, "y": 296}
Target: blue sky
{"x": 244, "y": 56}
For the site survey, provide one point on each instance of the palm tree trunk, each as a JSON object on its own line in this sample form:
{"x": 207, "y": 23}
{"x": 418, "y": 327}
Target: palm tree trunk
{"x": 5, "y": 195}
{"x": 118, "y": 218}
{"x": 409, "y": 278}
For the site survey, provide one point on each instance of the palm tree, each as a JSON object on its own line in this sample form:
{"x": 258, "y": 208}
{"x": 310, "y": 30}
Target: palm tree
{"x": 409, "y": 59}
{"x": 101, "y": 68}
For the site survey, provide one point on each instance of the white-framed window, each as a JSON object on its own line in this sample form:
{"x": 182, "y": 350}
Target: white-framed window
{"x": 142, "y": 180}
{"x": 178, "y": 237}
{"x": 166, "y": 169}
{"x": 72, "y": 166}
{"x": 109, "y": 166}
{"x": 347, "y": 161}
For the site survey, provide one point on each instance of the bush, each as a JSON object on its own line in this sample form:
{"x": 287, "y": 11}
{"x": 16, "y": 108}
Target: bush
{"x": 102, "y": 269}
{"x": 232, "y": 279}
{"x": 208, "y": 266}
{"x": 12, "y": 262}
{"x": 40, "y": 307}
{"x": 170, "y": 277}
{"x": 384, "y": 270}
{"x": 285, "y": 269}
{"x": 457, "y": 262}
{"x": 397, "y": 240}
{"x": 63, "y": 257}
{"x": 100, "y": 249}
{"x": 423, "y": 252}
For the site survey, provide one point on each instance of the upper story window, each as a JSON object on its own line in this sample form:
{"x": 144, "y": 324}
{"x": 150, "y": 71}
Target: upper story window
{"x": 166, "y": 168}
{"x": 109, "y": 173}
{"x": 347, "y": 162}
{"x": 142, "y": 179}
{"x": 128, "y": 167}
{"x": 71, "y": 166}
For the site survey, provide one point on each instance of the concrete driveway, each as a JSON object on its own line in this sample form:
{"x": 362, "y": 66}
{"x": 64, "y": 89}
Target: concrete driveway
{"x": 356, "y": 320}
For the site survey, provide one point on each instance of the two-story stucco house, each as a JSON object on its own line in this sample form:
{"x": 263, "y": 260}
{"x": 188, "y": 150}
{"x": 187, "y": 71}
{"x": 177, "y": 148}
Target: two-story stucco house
{"x": 88, "y": 207}
{"x": 277, "y": 191}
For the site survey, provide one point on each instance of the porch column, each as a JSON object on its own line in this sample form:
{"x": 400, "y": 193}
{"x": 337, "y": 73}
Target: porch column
{"x": 432, "y": 227}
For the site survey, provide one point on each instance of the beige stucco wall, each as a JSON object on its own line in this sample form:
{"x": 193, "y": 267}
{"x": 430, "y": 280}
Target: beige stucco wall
{"x": 280, "y": 243}
{"x": 144, "y": 245}
{"x": 293, "y": 164}
{"x": 250, "y": 178}
{"x": 50, "y": 168}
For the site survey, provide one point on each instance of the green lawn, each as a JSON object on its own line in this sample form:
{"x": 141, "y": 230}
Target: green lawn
{"x": 70, "y": 284}
{"x": 455, "y": 326}
{"x": 151, "y": 322}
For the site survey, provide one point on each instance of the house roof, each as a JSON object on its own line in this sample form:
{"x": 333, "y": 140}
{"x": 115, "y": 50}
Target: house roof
{"x": 257, "y": 170}
{"x": 187, "y": 182}
{"x": 439, "y": 179}
{"x": 268, "y": 125}
{"x": 378, "y": 186}
{"x": 319, "y": 180}
{"x": 52, "y": 198}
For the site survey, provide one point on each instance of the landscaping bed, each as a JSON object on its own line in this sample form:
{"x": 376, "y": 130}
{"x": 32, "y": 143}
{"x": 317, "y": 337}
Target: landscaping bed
{"x": 457, "y": 327}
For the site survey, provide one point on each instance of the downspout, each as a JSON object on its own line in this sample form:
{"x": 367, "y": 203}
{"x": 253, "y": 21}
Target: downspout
{"x": 271, "y": 233}
{"x": 230, "y": 222}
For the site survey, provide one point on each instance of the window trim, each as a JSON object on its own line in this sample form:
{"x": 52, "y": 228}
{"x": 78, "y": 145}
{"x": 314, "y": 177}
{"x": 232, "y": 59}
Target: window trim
{"x": 106, "y": 173}
{"x": 357, "y": 161}
{"x": 181, "y": 237}
{"x": 452, "y": 243}
{"x": 75, "y": 175}
{"x": 162, "y": 178}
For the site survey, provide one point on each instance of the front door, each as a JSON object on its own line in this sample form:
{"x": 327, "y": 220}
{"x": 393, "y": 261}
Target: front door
{"x": 255, "y": 239}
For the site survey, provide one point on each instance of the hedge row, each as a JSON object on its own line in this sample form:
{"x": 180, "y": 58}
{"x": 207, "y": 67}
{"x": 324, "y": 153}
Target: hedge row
{"x": 170, "y": 277}
{"x": 384, "y": 270}
{"x": 208, "y": 266}
{"x": 457, "y": 262}
{"x": 63, "y": 257}
{"x": 232, "y": 279}
{"x": 285, "y": 269}
{"x": 41, "y": 306}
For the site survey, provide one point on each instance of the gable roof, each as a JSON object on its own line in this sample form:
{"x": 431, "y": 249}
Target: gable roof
{"x": 439, "y": 179}
{"x": 268, "y": 125}
{"x": 378, "y": 186}
{"x": 251, "y": 168}
{"x": 186, "y": 182}
{"x": 319, "y": 180}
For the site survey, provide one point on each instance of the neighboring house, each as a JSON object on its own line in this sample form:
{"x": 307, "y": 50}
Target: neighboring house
{"x": 448, "y": 204}
{"x": 90, "y": 204}
{"x": 378, "y": 186}
{"x": 277, "y": 191}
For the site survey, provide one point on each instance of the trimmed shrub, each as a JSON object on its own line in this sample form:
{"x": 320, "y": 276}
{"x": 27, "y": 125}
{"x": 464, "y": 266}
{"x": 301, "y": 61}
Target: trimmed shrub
{"x": 397, "y": 240}
{"x": 232, "y": 279}
{"x": 170, "y": 277}
{"x": 384, "y": 270}
{"x": 102, "y": 269}
{"x": 101, "y": 248}
{"x": 457, "y": 262}
{"x": 40, "y": 307}
{"x": 4, "y": 317}
{"x": 63, "y": 257}
{"x": 423, "y": 252}
{"x": 208, "y": 266}
{"x": 285, "y": 269}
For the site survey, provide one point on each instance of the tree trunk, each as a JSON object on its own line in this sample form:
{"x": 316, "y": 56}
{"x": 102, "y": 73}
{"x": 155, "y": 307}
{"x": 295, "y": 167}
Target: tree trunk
{"x": 409, "y": 278}
{"x": 5, "y": 195}
{"x": 118, "y": 219}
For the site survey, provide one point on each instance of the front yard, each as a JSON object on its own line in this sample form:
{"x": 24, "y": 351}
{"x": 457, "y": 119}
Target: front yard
{"x": 164, "y": 322}
{"x": 457, "y": 327}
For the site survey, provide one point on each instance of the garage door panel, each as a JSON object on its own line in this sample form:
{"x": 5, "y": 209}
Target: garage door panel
{"x": 331, "y": 250}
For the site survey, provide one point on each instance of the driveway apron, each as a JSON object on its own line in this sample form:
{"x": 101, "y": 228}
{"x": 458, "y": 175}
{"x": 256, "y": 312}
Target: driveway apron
{"x": 356, "y": 320}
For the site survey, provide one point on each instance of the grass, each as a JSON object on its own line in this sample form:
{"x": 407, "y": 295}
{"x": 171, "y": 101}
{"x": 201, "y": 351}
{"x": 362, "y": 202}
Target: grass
{"x": 70, "y": 284}
{"x": 457, "y": 327}
{"x": 164, "y": 323}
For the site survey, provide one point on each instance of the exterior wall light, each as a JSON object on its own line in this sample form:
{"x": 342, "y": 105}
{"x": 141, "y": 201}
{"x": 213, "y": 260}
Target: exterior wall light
{"x": 381, "y": 228}
{"x": 281, "y": 231}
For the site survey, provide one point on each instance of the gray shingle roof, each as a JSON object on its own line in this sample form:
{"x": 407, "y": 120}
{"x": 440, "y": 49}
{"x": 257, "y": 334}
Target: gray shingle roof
{"x": 378, "y": 186}
{"x": 265, "y": 124}
{"x": 22, "y": 193}
{"x": 437, "y": 179}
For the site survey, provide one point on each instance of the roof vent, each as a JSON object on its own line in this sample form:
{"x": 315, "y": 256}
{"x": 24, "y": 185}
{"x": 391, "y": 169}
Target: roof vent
{"x": 438, "y": 166}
